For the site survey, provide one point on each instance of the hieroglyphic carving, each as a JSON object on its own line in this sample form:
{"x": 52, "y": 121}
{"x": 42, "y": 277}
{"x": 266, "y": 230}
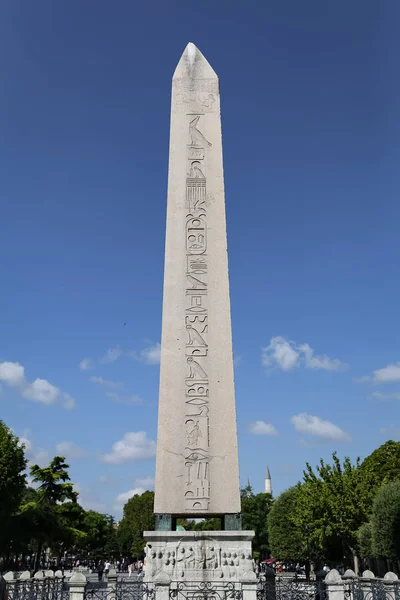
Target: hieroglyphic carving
{"x": 197, "y": 424}
{"x": 195, "y": 85}
{"x": 196, "y": 137}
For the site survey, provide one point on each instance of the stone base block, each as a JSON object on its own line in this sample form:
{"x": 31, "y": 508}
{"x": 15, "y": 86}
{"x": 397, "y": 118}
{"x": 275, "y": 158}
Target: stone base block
{"x": 199, "y": 556}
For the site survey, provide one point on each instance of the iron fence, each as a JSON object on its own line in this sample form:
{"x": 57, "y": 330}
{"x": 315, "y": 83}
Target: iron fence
{"x": 371, "y": 589}
{"x": 205, "y": 591}
{"x": 122, "y": 589}
{"x": 38, "y": 589}
{"x": 283, "y": 588}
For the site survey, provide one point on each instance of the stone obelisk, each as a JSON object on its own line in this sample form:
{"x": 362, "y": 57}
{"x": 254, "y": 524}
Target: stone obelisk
{"x": 197, "y": 471}
{"x": 197, "y": 456}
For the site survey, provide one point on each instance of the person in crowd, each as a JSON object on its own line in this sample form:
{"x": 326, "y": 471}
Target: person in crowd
{"x": 3, "y": 589}
{"x": 100, "y": 570}
{"x": 107, "y": 568}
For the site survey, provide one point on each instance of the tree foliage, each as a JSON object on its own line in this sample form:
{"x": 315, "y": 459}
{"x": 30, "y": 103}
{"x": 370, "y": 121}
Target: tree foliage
{"x": 379, "y": 468}
{"x": 255, "y": 509}
{"x": 12, "y": 479}
{"x": 331, "y": 506}
{"x": 364, "y": 537}
{"x": 286, "y": 539}
{"x": 385, "y": 523}
{"x": 138, "y": 517}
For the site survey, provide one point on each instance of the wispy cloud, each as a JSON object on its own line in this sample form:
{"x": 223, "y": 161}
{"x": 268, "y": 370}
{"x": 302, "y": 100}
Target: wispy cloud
{"x": 88, "y": 500}
{"x": 391, "y": 432}
{"x": 35, "y": 455}
{"x": 142, "y": 484}
{"x": 107, "y": 382}
{"x": 110, "y": 356}
{"x": 312, "y": 425}
{"x": 124, "y": 398}
{"x": 123, "y": 498}
{"x": 70, "y": 450}
{"x": 389, "y": 396}
{"x": 86, "y": 363}
{"x": 262, "y": 428}
{"x": 40, "y": 390}
{"x": 150, "y": 355}
{"x": 388, "y": 374}
{"x": 286, "y": 355}
{"x": 133, "y": 446}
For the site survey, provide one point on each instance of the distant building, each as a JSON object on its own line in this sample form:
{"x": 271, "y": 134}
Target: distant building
{"x": 268, "y": 482}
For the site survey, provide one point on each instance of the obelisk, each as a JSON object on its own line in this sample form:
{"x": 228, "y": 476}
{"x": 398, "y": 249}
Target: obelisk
{"x": 197, "y": 456}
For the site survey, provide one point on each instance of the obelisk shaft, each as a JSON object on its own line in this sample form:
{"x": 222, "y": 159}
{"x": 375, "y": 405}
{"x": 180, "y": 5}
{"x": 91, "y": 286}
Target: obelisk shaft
{"x": 197, "y": 456}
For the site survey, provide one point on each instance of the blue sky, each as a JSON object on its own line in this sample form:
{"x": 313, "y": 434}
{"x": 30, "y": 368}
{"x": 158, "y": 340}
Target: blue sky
{"x": 310, "y": 129}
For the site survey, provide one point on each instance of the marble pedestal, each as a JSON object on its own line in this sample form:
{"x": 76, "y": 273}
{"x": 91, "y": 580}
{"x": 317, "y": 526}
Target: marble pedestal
{"x": 195, "y": 557}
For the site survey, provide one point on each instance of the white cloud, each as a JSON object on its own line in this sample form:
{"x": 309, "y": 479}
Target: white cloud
{"x": 145, "y": 482}
{"x": 70, "y": 450}
{"x": 87, "y": 500}
{"x": 35, "y": 456}
{"x": 40, "y": 390}
{"x": 86, "y": 363}
{"x": 124, "y": 399}
{"x": 12, "y": 373}
{"x": 151, "y": 355}
{"x": 262, "y": 428}
{"x": 382, "y": 396}
{"x": 123, "y": 498}
{"x": 280, "y": 354}
{"x": 388, "y": 374}
{"x": 107, "y": 382}
{"x": 133, "y": 446}
{"x": 309, "y": 424}
{"x": 237, "y": 359}
{"x": 69, "y": 402}
{"x": 392, "y": 431}
{"x": 287, "y": 355}
{"x": 111, "y": 356}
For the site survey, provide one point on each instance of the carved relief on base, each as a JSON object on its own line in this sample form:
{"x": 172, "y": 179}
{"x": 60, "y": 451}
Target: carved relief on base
{"x": 195, "y": 560}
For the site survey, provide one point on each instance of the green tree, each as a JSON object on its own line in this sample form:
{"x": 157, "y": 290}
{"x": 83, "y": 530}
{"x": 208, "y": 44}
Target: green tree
{"x": 286, "y": 539}
{"x": 42, "y": 515}
{"x": 331, "y": 505}
{"x": 380, "y": 467}
{"x": 12, "y": 481}
{"x": 138, "y": 517}
{"x": 255, "y": 509}
{"x": 212, "y": 524}
{"x": 385, "y": 523}
{"x": 100, "y": 535}
{"x": 364, "y": 537}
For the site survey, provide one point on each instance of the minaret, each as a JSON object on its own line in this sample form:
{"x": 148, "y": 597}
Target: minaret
{"x": 268, "y": 483}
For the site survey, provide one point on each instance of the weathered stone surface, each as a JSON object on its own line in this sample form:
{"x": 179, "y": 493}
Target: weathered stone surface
{"x": 199, "y": 556}
{"x": 197, "y": 456}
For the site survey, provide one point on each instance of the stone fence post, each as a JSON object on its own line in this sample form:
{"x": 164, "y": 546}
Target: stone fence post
{"x": 334, "y": 585}
{"x": 366, "y": 581}
{"x": 112, "y": 584}
{"x": 77, "y": 585}
{"x": 391, "y": 590}
{"x": 161, "y": 586}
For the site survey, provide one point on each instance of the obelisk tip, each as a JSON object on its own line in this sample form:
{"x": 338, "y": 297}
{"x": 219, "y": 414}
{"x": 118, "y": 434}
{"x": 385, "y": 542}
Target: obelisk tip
{"x": 193, "y": 65}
